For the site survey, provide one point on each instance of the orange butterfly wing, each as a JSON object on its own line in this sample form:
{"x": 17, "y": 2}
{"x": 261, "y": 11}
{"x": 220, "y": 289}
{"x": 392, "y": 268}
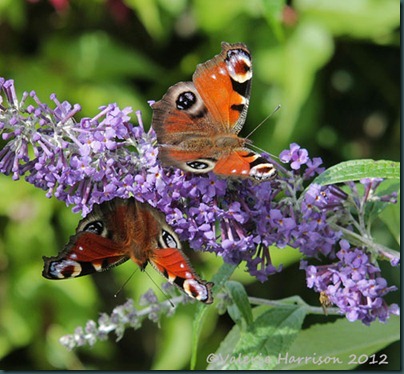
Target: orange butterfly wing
{"x": 224, "y": 84}
{"x": 174, "y": 265}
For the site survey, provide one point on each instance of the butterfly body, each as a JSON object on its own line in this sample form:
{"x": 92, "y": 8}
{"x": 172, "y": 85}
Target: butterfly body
{"x": 123, "y": 229}
{"x": 197, "y": 123}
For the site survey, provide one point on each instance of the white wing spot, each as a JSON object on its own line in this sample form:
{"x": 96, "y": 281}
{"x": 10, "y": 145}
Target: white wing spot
{"x": 58, "y": 268}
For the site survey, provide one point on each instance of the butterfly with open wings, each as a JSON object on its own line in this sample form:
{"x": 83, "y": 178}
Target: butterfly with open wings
{"x": 197, "y": 122}
{"x": 123, "y": 229}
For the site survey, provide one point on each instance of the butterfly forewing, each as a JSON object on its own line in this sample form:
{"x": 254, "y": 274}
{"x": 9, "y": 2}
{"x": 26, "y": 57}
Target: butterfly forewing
{"x": 86, "y": 253}
{"x": 224, "y": 84}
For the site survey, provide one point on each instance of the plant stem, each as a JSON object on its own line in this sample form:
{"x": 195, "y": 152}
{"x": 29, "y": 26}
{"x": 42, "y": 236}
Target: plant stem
{"x": 293, "y": 301}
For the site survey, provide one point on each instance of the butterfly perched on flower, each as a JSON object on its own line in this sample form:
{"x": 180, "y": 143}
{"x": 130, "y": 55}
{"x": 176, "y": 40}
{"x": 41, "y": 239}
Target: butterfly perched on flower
{"x": 197, "y": 123}
{"x": 123, "y": 229}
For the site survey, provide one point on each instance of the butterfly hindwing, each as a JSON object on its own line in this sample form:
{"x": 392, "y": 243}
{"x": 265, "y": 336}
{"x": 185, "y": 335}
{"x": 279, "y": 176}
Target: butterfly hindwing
{"x": 175, "y": 267}
{"x": 172, "y": 263}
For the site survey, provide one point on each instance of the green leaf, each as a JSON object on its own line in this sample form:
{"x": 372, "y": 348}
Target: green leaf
{"x": 219, "y": 280}
{"x": 241, "y": 307}
{"x": 258, "y": 347}
{"x": 227, "y": 346}
{"x": 221, "y": 277}
{"x": 341, "y": 343}
{"x": 358, "y": 169}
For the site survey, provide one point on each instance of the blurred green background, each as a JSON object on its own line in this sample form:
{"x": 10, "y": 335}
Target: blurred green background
{"x": 333, "y": 66}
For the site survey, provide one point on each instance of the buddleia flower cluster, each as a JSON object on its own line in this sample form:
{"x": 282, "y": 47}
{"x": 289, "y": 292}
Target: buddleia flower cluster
{"x": 91, "y": 160}
{"x": 122, "y": 317}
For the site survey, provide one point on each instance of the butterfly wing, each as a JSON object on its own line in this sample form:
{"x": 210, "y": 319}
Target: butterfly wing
{"x": 86, "y": 253}
{"x": 176, "y": 268}
{"x": 96, "y": 247}
{"x": 172, "y": 263}
{"x": 216, "y": 102}
{"x": 245, "y": 163}
{"x": 180, "y": 114}
{"x": 224, "y": 84}
{"x": 182, "y": 128}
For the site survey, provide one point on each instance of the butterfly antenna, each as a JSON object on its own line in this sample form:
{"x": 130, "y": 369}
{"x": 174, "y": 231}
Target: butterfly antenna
{"x": 263, "y": 151}
{"x": 165, "y": 295}
{"x": 263, "y": 121}
{"x": 125, "y": 283}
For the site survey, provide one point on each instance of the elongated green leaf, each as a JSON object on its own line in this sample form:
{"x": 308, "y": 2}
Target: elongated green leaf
{"x": 258, "y": 347}
{"x": 338, "y": 345}
{"x": 241, "y": 307}
{"x": 221, "y": 277}
{"x": 358, "y": 169}
{"x": 219, "y": 280}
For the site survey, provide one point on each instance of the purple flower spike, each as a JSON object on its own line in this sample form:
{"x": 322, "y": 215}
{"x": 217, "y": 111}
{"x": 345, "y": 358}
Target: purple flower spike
{"x": 353, "y": 284}
{"x": 104, "y": 157}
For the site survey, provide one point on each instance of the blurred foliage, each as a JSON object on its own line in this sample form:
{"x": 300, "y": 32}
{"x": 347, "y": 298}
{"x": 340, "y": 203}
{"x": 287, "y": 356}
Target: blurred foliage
{"x": 332, "y": 65}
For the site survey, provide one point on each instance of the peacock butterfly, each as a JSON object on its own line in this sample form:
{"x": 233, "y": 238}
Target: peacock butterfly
{"x": 122, "y": 229}
{"x": 197, "y": 122}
